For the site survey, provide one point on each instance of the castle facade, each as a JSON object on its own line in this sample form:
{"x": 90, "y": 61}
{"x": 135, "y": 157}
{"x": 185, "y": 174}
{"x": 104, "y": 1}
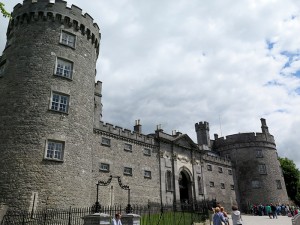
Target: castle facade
{"x": 55, "y": 148}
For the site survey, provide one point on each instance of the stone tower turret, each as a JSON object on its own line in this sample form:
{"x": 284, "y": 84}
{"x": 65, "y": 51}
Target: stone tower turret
{"x": 264, "y": 127}
{"x": 47, "y": 105}
{"x": 202, "y": 131}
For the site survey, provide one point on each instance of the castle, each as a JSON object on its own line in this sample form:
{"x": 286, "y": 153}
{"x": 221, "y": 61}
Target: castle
{"x": 55, "y": 147}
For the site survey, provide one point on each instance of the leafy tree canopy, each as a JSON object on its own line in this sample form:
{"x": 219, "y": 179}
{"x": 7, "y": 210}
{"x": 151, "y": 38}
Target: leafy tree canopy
{"x": 3, "y": 11}
{"x": 292, "y": 178}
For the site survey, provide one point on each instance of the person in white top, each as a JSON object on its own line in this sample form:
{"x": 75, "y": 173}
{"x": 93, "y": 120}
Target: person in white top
{"x": 117, "y": 219}
{"x": 236, "y": 216}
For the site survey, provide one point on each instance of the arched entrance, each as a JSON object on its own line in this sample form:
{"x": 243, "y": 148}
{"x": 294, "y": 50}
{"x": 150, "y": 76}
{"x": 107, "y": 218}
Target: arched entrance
{"x": 185, "y": 187}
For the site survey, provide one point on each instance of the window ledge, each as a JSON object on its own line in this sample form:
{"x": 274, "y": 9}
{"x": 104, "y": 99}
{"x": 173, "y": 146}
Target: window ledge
{"x": 54, "y": 160}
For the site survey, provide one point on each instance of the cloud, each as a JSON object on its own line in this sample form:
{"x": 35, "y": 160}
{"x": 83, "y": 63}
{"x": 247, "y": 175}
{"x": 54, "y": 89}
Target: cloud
{"x": 177, "y": 63}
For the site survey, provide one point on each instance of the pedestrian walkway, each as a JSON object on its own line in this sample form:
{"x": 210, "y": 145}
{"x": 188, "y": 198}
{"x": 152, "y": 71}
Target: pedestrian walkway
{"x": 265, "y": 220}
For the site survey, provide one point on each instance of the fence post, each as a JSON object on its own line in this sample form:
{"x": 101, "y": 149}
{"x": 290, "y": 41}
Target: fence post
{"x": 70, "y": 215}
{"x": 45, "y": 217}
{"x": 23, "y": 219}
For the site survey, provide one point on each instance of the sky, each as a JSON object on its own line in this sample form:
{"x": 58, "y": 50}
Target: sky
{"x": 176, "y": 63}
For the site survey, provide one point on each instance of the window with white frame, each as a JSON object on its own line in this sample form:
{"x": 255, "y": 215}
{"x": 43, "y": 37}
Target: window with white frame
{"x": 105, "y": 141}
{"x": 67, "y": 39}
{"x": 63, "y": 68}
{"x": 55, "y": 150}
{"x": 128, "y": 147}
{"x": 104, "y": 167}
{"x": 229, "y": 172}
{"x": 147, "y": 151}
{"x": 169, "y": 181}
{"x": 262, "y": 169}
{"x": 259, "y": 153}
{"x": 59, "y": 102}
{"x": 128, "y": 171}
{"x": 255, "y": 184}
{"x": 278, "y": 184}
{"x": 232, "y": 187}
{"x": 209, "y": 167}
{"x": 147, "y": 174}
{"x": 222, "y": 185}
{"x": 211, "y": 184}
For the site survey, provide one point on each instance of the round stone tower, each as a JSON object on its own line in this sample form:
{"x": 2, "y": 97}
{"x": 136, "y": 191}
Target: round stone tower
{"x": 47, "y": 82}
{"x": 258, "y": 175}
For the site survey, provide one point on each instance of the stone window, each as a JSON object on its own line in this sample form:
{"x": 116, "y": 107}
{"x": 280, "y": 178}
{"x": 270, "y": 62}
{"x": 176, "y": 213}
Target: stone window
{"x": 229, "y": 172}
{"x": 209, "y": 167}
{"x": 255, "y": 184}
{"x": 220, "y": 169}
{"x": 55, "y": 150}
{"x": 278, "y": 184}
{"x": 105, "y": 141}
{"x": 59, "y": 102}
{"x": 147, "y": 174}
{"x": 200, "y": 186}
{"x": 169, "y": 183}
{"x": 232, "y": 187}
{"x": 127, "y": 171}
{"x": 67, "y": 39}
{"x": 222, "y": 185}
{"x": 211, "y": 184}
{"x": 63, "y": 68}
{"x": 104, "y": 167}
{"x": 262, "y": 169}
{"x": 259, "y": 153}
{"x": 147, "y": 151}
{"x": 128, "y": 147}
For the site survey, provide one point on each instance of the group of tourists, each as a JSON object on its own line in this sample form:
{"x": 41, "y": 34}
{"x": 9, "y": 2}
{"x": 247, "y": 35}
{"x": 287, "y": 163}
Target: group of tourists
{"x": 220, "y": 216}
{"x": 273, "y": 210}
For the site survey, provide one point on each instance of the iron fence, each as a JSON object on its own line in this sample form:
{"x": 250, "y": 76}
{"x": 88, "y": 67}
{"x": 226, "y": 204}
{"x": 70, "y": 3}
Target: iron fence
{"x": 180, "y": 214}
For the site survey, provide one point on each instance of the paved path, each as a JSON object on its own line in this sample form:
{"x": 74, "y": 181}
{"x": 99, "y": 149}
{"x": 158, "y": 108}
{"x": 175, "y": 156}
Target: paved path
{"x": 265, "y": 220}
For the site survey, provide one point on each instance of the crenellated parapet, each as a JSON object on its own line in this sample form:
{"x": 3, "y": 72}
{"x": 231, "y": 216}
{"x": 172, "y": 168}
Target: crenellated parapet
{"x": 245, "y": 140}
{"x": 124, "y": 134}
{"x": 45, "y": 10}
{"x": 217, "y": 160}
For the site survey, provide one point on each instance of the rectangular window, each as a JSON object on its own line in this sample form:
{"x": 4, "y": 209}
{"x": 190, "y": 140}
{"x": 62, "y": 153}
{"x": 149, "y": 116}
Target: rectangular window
{"x": 255, "y": 184}
{"x": 262, "y": 169}
{"x": 147, "y": 174}
{"x": 55, "y": 150}
{"x": 59, "y": 102}
{"x": 63, "y": 68}
{"x": 222, "y": 186}
{"x": 232, "y": 187}
{"x": 209, "y": 167}
{"x": 211, "y": 184}
{"x": 278, "y": 184}
{"x": 220, "y": 169}
{"x": 104, "y": 167}
{"x": 147, "y": 151}
{"x": 105, "y": 141}
{"x": 259, "y": 153}
{"x": 229, "y": 172}
{"x": 128, "y": 147}
{"x": 67, "y": 39}
{"x": 128, "y": 171}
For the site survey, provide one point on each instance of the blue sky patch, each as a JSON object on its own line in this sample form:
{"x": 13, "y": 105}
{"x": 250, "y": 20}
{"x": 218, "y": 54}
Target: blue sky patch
{"x": 291, "y": 58}
{"x": 270, "y": 44}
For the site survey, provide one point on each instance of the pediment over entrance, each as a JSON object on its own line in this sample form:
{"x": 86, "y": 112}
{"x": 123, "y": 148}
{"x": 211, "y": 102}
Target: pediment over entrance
{"x": 185, "y": 141}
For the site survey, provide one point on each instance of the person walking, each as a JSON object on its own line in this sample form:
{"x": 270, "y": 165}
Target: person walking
{"x": 117, "y": 219}
{"x": 225, "y": 215}
{"x": 236, "y": 216}
{"x": 218, "y": 218}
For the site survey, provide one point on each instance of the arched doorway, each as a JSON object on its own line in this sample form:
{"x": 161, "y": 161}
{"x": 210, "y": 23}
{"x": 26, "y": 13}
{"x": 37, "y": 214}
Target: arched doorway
{"x": 185, "y": 187}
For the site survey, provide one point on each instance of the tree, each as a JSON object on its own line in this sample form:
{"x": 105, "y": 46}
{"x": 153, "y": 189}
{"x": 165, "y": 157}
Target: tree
{"x": 3, "y": 11}
{"x": 292, "y": 179}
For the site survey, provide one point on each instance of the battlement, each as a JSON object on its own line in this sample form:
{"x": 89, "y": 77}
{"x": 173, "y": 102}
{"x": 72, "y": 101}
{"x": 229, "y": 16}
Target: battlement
{"x": 202, "y": 126}
{"x": 217, "y": 159}
{"x": 98, "y": 88}
{"x": 120, "y": 133}
{"x": 55, "y": 11}
{"x": 244, "y": 138}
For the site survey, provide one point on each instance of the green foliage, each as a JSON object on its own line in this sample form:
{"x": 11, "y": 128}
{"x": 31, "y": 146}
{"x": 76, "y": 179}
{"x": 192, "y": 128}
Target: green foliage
{"x": 3, "y": 11}
{"x": 292, "y": 179}
{"x": 176, "y": 218}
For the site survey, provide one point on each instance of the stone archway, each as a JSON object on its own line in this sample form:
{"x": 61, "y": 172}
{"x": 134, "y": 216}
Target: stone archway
{"x": 185, "y": 187}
